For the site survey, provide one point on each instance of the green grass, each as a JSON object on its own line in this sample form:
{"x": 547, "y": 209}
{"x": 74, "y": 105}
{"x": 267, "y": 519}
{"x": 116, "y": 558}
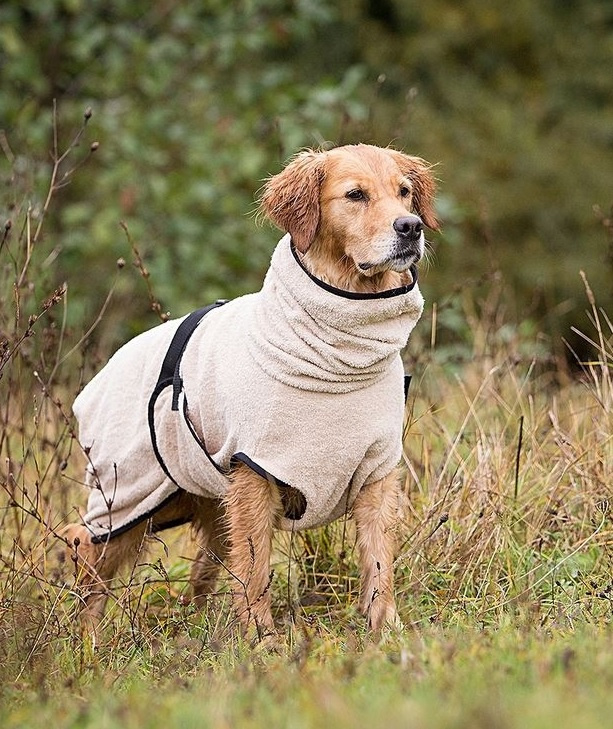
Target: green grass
{"x": 513, "y": 675}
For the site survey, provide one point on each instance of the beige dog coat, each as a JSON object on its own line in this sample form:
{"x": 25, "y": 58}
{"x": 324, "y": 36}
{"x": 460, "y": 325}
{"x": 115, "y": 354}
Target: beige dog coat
{"x": 301, "y": 381}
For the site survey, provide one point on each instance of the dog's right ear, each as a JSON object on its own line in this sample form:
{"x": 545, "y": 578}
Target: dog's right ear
{"x": 291, "y": 198}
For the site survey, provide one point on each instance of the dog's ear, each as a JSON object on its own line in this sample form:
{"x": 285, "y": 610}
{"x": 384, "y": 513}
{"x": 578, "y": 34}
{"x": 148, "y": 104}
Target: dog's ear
{"x": 424, "y": 186}
{"x": 291, "y": 198}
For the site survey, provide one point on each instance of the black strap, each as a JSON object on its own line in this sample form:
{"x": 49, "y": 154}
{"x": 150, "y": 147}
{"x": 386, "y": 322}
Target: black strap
{"x": 169, "y": 374}
{"x": 172, "y": 360}
{"x": 407, "y": 383}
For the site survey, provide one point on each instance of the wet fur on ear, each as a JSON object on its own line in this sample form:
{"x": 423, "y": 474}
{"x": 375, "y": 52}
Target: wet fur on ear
{"x": 291, "y": 198}
{"x": 424, "y": 186}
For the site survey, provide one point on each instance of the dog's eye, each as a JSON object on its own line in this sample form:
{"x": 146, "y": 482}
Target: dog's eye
{"x": 405, "y": 191}
{"x": 356, "y": 195}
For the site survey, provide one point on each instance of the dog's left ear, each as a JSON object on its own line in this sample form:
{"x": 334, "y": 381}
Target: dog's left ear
{"x": 424, "y": 186}
{"x": 291, "y": 198}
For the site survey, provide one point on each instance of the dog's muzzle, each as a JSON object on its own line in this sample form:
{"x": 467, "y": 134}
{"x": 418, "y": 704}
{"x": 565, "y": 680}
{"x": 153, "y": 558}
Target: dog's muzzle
{"x": 404, "y": 249}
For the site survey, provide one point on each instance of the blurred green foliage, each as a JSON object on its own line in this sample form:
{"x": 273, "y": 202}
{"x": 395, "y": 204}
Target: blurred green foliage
{"x": 195, "y": 103}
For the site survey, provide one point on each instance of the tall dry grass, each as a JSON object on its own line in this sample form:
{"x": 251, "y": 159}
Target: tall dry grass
{"x": 509, "y": 484}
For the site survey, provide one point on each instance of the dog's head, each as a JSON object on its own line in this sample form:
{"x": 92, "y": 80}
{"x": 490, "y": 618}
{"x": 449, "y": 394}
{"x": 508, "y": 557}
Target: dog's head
{"x": 356, "y": 212}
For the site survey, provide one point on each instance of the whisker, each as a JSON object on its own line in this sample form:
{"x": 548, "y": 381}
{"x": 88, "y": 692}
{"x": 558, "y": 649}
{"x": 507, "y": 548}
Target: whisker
{"x": 429, "y": 256}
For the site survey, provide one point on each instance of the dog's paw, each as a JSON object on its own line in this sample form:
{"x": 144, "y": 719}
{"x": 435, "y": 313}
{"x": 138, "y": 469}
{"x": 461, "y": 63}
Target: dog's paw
{"x": 382, "y": 614}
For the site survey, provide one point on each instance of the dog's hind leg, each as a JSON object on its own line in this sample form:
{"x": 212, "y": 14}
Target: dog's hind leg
{"x": 210, "y": 527}
{"x": 253, "y": 507}
{"x": 376, "y": 514}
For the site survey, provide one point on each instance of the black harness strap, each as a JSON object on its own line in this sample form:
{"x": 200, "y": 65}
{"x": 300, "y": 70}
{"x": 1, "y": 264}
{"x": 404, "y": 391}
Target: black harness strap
{"x": 407, "y": 383}
{"x": 170, "y": 372}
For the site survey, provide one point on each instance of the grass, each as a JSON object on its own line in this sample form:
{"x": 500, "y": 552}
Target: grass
{"x": 504, "y": 573}
{"x": 515, "y": 674}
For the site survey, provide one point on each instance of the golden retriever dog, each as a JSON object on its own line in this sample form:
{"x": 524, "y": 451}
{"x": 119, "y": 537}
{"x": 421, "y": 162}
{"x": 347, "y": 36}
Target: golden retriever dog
{"x": 324, "y": 431}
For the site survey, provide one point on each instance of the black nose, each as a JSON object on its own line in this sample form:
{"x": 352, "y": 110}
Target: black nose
{"x": 409, "y": 227}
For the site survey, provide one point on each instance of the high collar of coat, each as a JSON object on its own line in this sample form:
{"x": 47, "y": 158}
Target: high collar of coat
{"x": 313, "y": 336}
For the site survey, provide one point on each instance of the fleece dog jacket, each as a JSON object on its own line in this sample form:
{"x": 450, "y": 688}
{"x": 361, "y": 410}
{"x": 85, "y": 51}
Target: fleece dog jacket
{"x": 301, "y": 381}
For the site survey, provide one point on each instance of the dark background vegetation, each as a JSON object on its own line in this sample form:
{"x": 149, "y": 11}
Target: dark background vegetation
{"x": 195, "y": 103}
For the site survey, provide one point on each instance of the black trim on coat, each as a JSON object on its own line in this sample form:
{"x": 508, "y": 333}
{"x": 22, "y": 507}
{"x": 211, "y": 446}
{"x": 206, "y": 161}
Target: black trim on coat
{"x": 103, "y": 538}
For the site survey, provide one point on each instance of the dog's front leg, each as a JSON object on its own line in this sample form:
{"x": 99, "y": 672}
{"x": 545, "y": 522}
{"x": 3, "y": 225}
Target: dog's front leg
{"x": 95, "y": 566}
{"x": 376, "y": 512}
{"x": 253, "y": 506}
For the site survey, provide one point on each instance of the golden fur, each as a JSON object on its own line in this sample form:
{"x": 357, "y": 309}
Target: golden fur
{"x": 341, "y": 208}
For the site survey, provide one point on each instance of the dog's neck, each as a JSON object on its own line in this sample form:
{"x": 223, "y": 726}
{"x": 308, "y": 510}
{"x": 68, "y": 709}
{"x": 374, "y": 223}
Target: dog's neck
{"x": 313, "y": 335}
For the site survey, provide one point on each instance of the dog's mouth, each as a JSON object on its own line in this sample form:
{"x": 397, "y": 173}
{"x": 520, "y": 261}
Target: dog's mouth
{"x": 398, "y": 255}
{"x": 399, "y": 261}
